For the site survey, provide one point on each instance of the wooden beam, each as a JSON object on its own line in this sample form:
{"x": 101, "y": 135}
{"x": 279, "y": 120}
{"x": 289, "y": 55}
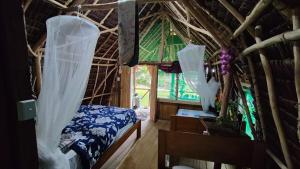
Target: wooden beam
{"x": 283, "y": 37}
{"x": 296, "y": 49}
{"x": 236, "y": 14}
{"x": 149, "y": 16}
{"x": 100, "y": 85}
{"x": 255, "y": 13}
{"x": 200, "y": 17}
{"x": 273, "y": 100}
{"x": 112, "y": 30}
{"x": 99, "y": 95}
{"x": 107, "y": 59}
{"x": 102, "y": 6}
{"x": 200, "y": 30}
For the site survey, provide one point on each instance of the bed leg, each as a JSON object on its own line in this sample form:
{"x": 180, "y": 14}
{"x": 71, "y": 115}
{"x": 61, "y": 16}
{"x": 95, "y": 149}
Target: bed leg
{"x": 138, "y": 130}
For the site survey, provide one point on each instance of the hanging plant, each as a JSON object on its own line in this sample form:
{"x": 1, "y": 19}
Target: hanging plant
{"x": 226, "y": 57}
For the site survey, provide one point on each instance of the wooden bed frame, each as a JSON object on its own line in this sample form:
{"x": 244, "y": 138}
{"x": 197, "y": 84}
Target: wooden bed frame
{"x": 114, "y": 147}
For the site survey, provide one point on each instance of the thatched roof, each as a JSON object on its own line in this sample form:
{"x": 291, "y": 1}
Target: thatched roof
{"x": 206, "y": 22}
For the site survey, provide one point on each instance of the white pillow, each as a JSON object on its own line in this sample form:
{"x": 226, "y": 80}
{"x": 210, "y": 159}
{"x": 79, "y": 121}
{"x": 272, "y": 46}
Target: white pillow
{"x": 181, "y": 167}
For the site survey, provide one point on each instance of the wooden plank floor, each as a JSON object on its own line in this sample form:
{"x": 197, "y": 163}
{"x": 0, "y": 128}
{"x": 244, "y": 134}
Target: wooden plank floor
{"x": 133, "y": 155}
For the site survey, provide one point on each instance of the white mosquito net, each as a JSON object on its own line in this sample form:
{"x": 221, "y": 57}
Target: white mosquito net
{"x": 191, "y": 60}
{"x": 70, "y": 47}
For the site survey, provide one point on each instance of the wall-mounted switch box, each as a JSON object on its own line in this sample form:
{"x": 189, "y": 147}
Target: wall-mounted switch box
{"x": 26, "y": 109}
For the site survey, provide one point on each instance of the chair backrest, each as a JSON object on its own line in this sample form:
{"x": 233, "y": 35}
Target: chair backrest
{"x": 230, "y": 150}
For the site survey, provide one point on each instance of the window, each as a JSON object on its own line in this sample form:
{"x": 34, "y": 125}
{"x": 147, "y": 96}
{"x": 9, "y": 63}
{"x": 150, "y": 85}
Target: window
{"x": 173, "y": 86}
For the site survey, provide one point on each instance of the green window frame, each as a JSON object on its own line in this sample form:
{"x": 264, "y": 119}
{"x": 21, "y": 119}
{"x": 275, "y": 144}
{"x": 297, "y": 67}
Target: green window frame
{"x": 173, "y": 86}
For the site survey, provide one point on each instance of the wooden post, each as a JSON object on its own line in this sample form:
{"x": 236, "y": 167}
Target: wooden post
{"x": 125, "y": 87}
{"x": 226, "y": 93}
{"x": 153, "y": 92}
{"x": 296, "y": 49}
{"x": 243, "y": 97}
{"x": 273, "y": 100}
{"x": 38, "y": 71}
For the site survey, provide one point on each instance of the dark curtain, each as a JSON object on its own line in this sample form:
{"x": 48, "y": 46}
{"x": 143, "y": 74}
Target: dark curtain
{"x": 171, "y": 68}
{"x": 18, "y": 141}
{"x": 128, "y": 33}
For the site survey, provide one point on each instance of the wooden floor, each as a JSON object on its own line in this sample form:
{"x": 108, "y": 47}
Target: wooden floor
{"x": 143, "y": 154}
{"x": 133, "y": 154}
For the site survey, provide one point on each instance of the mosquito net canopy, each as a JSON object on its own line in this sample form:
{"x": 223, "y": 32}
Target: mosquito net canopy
{"x": 191, "y": 60}
{"x": 70, "y": 47}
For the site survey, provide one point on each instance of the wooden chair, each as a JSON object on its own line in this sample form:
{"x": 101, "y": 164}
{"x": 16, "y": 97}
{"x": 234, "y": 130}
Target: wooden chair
{"x": 230, "y": 150}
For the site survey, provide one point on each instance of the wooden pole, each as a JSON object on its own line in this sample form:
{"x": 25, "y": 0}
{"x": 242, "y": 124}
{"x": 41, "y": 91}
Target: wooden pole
{"x": 200, "y": 17}
{"x": 38, "y": 71}
{"x": 283, "y": 37}
{"x": 273, "y": 100}
{"x": 226, "y": 93}
{"x": 258, "y": 9}
{"x": 236, "y": 14}
{"x": 277, "y": 160}
{"x": 296, "y": 49}
{"x": 244, "y": 100}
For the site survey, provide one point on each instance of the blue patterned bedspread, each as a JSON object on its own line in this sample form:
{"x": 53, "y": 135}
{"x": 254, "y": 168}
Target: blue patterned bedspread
{"x": 94, "y": 129}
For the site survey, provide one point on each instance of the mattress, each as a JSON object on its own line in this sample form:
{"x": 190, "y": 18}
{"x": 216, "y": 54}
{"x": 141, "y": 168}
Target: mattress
{"x": 93, "y": 130}
{"x": 74, "y": 158}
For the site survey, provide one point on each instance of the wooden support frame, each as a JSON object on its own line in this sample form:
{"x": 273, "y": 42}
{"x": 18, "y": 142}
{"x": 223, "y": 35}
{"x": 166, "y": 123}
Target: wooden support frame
{"x": 236, "y": 14}
{"x": 114, "y": 147}
{"x": 243, "y": 97}
{"x": 273, "y": 100}
{"x": 296, "y": 49}
{"x": 200, "y": 17}
{"x": 283, "y": 37}
{"x": 258, "y": 9}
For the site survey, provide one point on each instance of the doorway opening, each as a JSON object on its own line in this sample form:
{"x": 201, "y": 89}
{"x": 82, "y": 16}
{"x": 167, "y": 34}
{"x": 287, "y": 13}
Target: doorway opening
{"x": 141, "y": 91}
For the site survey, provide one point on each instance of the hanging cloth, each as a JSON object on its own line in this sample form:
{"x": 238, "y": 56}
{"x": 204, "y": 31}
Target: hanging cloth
{"x": 128, "y": 32}
{"x": 70, "y": 47}
{"x": 173, "y": 68}
{"x": 191, "y": 60}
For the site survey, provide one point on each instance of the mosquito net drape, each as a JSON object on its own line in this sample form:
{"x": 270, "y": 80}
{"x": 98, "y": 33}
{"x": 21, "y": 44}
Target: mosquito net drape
{"x": 70, "y": 47}
{"x": 191, "y": 60}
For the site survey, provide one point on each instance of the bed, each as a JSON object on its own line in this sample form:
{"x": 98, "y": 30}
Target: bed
{"x": 95, "y": 133}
